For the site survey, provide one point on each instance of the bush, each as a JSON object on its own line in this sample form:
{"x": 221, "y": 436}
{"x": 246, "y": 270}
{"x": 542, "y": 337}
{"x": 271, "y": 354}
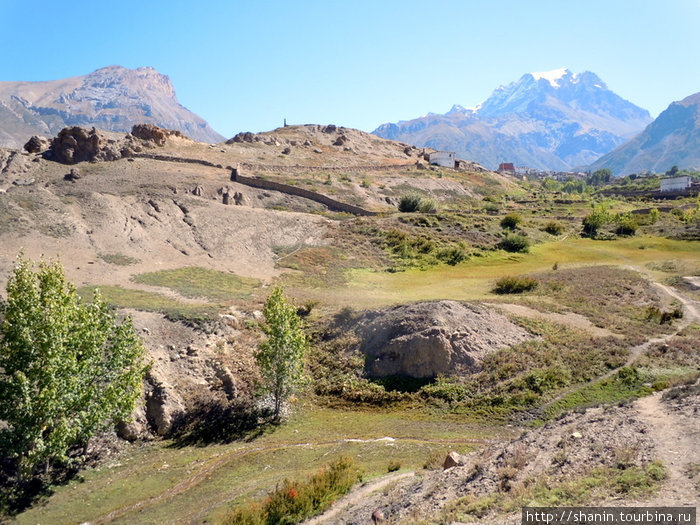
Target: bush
{"x": 413, "y": 202}
{"x": 294, "y": 501}
{"x": 626, "y": 225}
{"x": 428, "y": 206}
{"x": 553, "y": 228}
{"x": 514, "y": 284}
{"x": 452, "y": 255}
{"x": 511, "y": 221}
{"x": 410, "y": 203}
{"x": 595, "y": 221}
{"x": 514, "y": 242}
{"x": 491, "y": 207}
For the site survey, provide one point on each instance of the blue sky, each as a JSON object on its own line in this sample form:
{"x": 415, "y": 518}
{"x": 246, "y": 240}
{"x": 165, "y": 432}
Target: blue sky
{"x": 247, "y": 65}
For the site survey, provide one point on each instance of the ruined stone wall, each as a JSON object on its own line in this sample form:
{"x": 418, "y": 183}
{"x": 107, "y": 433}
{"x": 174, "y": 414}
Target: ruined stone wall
{"x": 332, "y": 204}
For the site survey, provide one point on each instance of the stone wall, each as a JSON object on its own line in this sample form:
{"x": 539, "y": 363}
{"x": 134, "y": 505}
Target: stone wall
{"x": 332, "y": 204}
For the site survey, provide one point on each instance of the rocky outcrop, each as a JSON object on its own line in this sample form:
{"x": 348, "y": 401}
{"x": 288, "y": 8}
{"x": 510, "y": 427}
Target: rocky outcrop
{"x": 154, "y": 134}
{"x": 164, "y": 408}
{"x": 244, "y": 136}
{"x": 424, "y": 340}
{"x": 76, "y": 144}
{"x": 36, "y": 144}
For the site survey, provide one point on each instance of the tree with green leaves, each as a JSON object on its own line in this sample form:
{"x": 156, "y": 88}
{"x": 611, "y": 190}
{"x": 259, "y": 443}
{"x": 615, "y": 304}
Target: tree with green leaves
{"x": 599, "y": 177}
{"x": 281, "y": 356}
{"x": 67, "y": 369}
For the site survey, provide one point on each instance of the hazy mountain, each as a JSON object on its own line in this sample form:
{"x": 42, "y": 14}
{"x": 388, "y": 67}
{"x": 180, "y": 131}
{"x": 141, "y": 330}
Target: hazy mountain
{"x": 672, "y": 139}
{"x": 112, "y": 98}
{"x": 551, "y": 120}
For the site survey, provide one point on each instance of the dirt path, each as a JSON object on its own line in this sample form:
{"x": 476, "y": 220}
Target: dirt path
{"x": 676, "y": 438}
{"x": 356, "y": 496}
{"x": 569, "y": 319}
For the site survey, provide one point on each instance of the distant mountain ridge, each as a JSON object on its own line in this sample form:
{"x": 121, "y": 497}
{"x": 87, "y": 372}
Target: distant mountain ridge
{"x": 112, "y": 98}
{"x": 550, "y": 120}
{"x": 672, "y": 139}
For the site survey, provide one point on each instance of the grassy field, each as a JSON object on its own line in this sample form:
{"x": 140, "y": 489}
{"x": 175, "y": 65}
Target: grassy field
{"x": 196, "y": 282}
{"x": 201, "y": 482}
{"x": 473, "y": 279}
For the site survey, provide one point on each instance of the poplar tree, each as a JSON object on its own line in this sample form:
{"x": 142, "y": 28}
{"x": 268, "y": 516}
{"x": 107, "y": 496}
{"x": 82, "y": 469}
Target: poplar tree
{"x": 281, "y": 356}
{"x": 67, "y": 369}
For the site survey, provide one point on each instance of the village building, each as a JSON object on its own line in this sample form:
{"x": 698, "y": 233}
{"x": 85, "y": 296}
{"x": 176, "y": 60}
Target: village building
{"x": 445, "y": 159}
{"x": 506, "y": 166}
{"x": 675, "y": 183}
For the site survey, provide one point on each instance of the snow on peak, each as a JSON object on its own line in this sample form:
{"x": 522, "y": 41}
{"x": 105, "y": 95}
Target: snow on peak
{"x": 553, "y": 77}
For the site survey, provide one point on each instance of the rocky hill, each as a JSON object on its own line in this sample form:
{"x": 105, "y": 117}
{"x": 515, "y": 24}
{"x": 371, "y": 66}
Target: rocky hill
{"x": 112, "y": 98}
{"x": 672, "y": 139}
{"x": 551, "y": 120}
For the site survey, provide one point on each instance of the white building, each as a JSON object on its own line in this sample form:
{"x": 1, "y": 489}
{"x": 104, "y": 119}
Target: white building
{"x": 442, "y": 158}
{"x": 675, "y": 183}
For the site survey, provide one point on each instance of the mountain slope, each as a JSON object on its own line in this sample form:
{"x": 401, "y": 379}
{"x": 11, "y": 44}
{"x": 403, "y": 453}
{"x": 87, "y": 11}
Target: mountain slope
{"x": 672, "y": 139}
{"x": 551, "y": 120}
{"x": 112, "y": 98}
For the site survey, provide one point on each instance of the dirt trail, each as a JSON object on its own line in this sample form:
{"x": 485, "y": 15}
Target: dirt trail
{"x": 569, "y": 319}
{"x": 356, "y": 496}
{"x": 676, "y": 439}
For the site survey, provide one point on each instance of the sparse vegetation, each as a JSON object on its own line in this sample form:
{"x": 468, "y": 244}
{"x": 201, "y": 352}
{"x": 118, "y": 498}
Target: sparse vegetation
{"x": 511, "y": 221}
{"x": 553, "y": 228}
{"x": 294, "y": 501}
{"x": 514, "y": 242}
{"x": 197, "y": 282}
{"x": 514, "y": 285}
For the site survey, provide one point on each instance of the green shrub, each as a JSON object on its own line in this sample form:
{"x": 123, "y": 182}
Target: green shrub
{"x": 514, "y": 284}
{"x": 452, "y": 255}
{"x": 428, "y": 206}
{"x": 595, "y": 221}
{"x": 514, "y": 242}
{"x": 626, "y": 225}
{"x": 553, "y": 228}
{"x": 410, "y": 203}
{"x": 511, "y": 221}
{"x": 294, "y": 501}
{"x": 491, "y": 207}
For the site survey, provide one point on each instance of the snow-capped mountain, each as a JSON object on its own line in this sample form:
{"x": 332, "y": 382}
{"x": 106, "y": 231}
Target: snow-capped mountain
{"x": 547, "y": 120}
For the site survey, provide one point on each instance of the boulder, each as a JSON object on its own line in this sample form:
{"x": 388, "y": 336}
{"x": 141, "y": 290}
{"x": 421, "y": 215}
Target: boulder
{"x": 341, "y": 141}
{"x": 454, "y": 459}
{"x": 72, "y": 175}
{"x": 427, "y": 339}
{"x": 330, "y": 128}
{"x": 37, "y": 144}
{"x": 245, "y": 136}
{"x": 154, "y": 134}
{"x": 240, "y": 200}
{"x": 287, "y": 150}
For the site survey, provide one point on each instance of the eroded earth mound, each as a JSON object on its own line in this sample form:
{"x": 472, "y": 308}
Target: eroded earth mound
{"x": 427, "y": 339}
